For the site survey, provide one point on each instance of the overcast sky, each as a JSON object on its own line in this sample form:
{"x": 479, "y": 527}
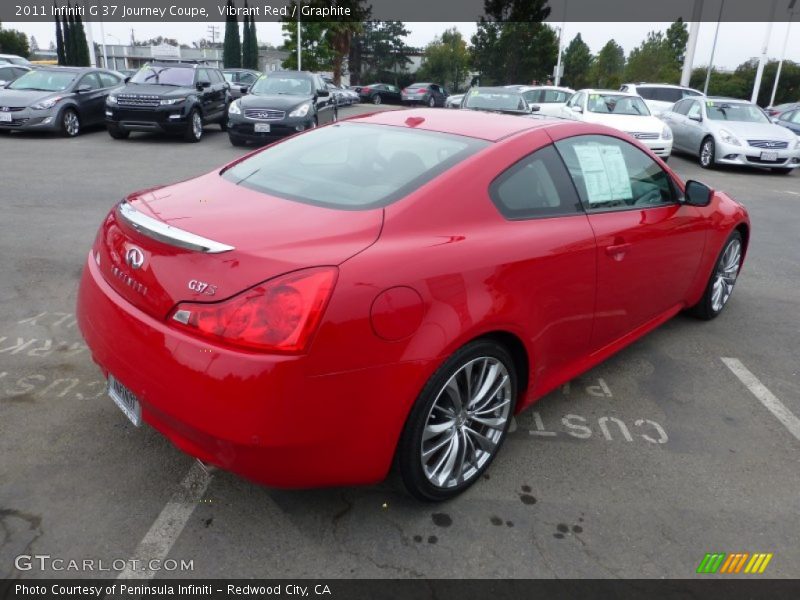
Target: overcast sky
{"x": 737, "y": 41}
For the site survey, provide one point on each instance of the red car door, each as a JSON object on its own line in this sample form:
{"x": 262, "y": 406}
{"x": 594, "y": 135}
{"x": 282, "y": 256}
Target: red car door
{"x": 649, "y": 244}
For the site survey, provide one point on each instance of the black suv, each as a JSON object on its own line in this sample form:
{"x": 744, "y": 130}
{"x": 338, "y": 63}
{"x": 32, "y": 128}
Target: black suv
{"x": 174, "y": 97}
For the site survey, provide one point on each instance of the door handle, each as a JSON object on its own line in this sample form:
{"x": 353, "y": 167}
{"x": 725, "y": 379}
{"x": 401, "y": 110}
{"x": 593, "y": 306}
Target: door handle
{"x": 617, "y": 251}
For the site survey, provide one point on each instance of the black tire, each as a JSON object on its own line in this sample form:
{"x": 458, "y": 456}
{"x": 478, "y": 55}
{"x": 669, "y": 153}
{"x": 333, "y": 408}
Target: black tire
{"x": 709, "y": 141}
{"x": 117, "y": 133}
{"x": 70, "y": 123}
{"x": 191, "y": 133}
{"x": 376, "y": 99}
{"x": 409, "y": 449}
{"x": 705, "y": 309}
{"x": 223, "y": 122}
{"x": 781, "y": 171}
{"x": 432, "y": 102}
{"x": 236, "y": 141}
{"x": 335, "y": 116}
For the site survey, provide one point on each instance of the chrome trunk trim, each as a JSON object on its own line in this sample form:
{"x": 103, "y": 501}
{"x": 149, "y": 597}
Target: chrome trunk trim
{"x": 158, "y": 230}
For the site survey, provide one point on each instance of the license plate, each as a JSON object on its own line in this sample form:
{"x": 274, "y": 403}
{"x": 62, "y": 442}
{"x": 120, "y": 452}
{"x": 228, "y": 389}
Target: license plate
{"x": 5, "y": 117}
{"x": 262, "y": 127}
{"x": 769, "y": 156}
{"x": 125, "y": 400}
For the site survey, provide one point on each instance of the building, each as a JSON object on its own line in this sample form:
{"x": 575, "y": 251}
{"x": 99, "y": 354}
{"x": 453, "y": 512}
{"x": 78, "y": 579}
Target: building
{"x": 132, "y": 57}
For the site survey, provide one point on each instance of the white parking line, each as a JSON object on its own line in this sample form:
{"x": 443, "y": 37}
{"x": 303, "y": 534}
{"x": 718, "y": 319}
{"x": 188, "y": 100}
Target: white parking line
{"x": 167, "y": 527}
{"x": 767, "y": 398}
{"x": 793, "y": 193}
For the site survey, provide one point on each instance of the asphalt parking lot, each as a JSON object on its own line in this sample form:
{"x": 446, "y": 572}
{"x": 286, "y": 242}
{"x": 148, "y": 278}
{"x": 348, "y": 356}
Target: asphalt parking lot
{"x": 635, "y": 469}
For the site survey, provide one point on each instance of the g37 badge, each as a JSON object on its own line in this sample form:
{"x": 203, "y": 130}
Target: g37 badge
{"x": 201, "y": 287}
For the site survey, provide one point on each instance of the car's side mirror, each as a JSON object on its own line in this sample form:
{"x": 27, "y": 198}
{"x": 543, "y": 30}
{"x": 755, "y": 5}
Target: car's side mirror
{"x": 535, "y": 108}
{"x": 82, "y": 89}
{"x": 201, "y": 85}
{"x": 577, "y": 109}
{"x": 323, "y": 93}
{"x": 697, "y": 194}
{"x": 127, "y": 79}
{"x": 245, "y": 89}
{"x": 697, "y": 118}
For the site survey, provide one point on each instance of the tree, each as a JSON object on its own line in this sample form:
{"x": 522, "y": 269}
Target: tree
{"x": 315, "y": 49}
{"x": 82, "y": 57}
{"x": 34, "y": 45}
{"x": 446, "y": 60}
{"x": 232, "y": 45}
{"x": 379, "y": 51}
{"x": 577, "y": 63}
{"x": 653, "y": 60}
{"x": 739, "y": 83}
{"x": 513, "y": 45}
{"x": 609, "y": 66}
{"x": 246, "y": 40}
{"x": 14, "y": 42}
{"x": 677, "y": 37}
{"x": 62, "y": 59}
{"x": 158, "y": 41}
{"x": 253, "y": 43}
{"x": 70, "y": 40}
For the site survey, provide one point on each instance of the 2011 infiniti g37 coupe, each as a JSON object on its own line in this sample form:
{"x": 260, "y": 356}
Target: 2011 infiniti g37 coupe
{"x": 398, "y": 284}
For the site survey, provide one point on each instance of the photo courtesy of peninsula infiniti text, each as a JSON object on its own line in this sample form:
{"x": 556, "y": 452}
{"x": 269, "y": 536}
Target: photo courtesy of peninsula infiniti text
{"x": 392, "y": 288}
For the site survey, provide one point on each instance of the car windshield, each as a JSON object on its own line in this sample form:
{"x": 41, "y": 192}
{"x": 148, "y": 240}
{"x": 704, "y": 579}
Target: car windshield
{"x": 352, "y": 165}
{"x": 44, "y": 81}
{"x": 281, "y": 84}
{"x": 180, "y": 76}
{"x": 483, "y": 99}
{"x": 727, "y": 111}
{"x": 616, "y": 104}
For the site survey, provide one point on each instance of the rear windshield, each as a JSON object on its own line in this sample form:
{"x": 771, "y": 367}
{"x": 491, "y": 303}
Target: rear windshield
{"x": 616, "y": 104}
{"x": 352, "y": 165}
{"x": 179, "y": 76}
{"x": 494, "y": 99}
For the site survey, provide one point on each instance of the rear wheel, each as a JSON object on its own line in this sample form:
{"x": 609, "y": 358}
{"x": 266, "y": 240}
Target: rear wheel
{"x": 376, "y": 99}
{"x": 70, "y": 123}
{"x": 194, "y": 128}
{"x": 117, "y": 133}
{"x": 723, "y": 278}
{"x": 782, "y": 171}
{"x": 459, "y": 422}
{"x": 707, "y": 153}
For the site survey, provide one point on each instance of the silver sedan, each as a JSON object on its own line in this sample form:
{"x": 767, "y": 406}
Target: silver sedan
{"x": 732, "y": 132}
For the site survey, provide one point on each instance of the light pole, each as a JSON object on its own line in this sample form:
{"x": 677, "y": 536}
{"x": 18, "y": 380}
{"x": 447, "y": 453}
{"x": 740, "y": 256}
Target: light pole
{"x": 557, "y": 78}
{"x": 763, "y": 58}
{"x": 691, "y": 43}
{"x": 783, "y": 53}
{"x": 299, "y": 39}
{"x": 713, "y": 48}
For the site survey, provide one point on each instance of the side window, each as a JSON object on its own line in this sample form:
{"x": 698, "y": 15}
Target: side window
{"x": 108, "y": 80}
{"x": 648, "y": 93}
{"x": 681, "y": 107}
{"x": 794, "y": 117}
{"x": 91, "y": 80}
{"x": 536, "y": 186}
{"x": 611, "y": 174}
{"x": 694, "y": 110}
{"x": 577, "y": 99}
{"x": 6, "y": 73}
{"x": 247, "y": 78}
{"x": 202, "y": 75}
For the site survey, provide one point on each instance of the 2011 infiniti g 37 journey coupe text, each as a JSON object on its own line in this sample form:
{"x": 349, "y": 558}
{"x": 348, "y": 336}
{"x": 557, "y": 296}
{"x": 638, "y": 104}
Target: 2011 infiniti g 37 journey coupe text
{"x": 398, "y": 284}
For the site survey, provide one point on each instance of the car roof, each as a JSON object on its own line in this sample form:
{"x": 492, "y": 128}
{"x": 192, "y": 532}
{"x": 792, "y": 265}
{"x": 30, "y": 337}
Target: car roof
{"x": 69, "y": 69}
{"x": 728, "y": 99}
{"x": 468, "y": 123}
{"x": 528, "y": 88}
{"x": 661, "y": 85}
{"x": 597, "y": 91}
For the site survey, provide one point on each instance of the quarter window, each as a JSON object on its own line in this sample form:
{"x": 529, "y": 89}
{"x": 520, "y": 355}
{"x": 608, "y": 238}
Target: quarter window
{"x": 108, "y": 80}
{"x": 681, "y": 107}
{"x": 694, "y": 110}
{"x": 536, "y": 186}
{"x": 611, "y": 174}
{"x": 91, "y": 80}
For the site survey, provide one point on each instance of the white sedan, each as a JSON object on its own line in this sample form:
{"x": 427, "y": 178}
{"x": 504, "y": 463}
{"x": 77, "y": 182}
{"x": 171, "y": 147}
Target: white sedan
{"x": 623, "y": 111}
{"x": 549, "y": 98}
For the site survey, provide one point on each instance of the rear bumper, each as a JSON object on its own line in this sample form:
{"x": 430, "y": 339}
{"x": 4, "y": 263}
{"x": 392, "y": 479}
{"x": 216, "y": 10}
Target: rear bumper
{"x": 261, "y": 416}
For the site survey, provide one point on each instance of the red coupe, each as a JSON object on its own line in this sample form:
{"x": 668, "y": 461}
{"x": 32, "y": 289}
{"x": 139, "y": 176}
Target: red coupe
{"x": 394, "y": 285}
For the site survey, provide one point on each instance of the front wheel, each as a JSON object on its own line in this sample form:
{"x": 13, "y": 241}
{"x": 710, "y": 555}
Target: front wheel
{"x": 194, "y": 128}
{"x": 707, "y": 152}
{"x": 70, "y": 123}
{"x": 432, "y": 102}
{"x": 376, "y": 99}
{"x": 458, "y": 422}
{"x": 720, "y": 285}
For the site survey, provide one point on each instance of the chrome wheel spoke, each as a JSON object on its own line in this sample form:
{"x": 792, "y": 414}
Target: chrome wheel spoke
{"x": 483, "y": 442}
{"x": 432, "y": 430}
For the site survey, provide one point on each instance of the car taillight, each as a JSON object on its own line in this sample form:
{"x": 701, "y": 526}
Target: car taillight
{"x": 421, "y": 90}
{"x": 365, "y": 90}
{"x": 279, "y": 315}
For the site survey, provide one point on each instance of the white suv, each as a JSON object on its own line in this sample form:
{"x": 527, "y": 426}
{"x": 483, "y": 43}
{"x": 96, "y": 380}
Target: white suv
{"x": 659, "y": 97}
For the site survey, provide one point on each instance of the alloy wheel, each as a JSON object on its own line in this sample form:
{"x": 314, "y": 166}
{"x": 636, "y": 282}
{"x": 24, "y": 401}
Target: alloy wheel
{"x": 707, "y": 153}
{"x": 72, "y": 125}
{"x": 725, "y": 277}
{"x": 197, "y": 125}
{"x": 376, "y": 99}
{"x": 432, "y": 102}
{"x": 466, "y": 422}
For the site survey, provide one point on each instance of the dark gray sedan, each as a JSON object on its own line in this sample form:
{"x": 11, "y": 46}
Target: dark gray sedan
{"x": 61, "y": 99}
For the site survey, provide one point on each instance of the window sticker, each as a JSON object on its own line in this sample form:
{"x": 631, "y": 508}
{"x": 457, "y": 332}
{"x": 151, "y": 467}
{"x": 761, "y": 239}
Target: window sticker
{"x": 604, "y": 173}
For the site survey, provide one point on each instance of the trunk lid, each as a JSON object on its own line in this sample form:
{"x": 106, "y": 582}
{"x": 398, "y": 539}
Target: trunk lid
{"x": 208, "y": 239}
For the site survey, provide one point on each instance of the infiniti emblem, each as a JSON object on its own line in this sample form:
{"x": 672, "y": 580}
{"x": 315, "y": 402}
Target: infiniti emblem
{"x": 134, "y": 257}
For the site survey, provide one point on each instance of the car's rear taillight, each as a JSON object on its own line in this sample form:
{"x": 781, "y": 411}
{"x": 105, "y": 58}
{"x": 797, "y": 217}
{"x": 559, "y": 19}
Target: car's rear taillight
{"x": 365, "y": 90}
{"x": 279, "y": 315}
{"x": 421, "y": 90}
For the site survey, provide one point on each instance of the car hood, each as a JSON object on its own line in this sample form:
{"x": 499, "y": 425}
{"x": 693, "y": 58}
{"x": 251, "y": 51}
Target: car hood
{"x": 753, "y": 131}
{"x": 627, "y": 123}
{"x": 163, "y": 91}
{"x": 19, "y": 98}
{"x": 266, "y": 235}
{"x": 275, "y": 101}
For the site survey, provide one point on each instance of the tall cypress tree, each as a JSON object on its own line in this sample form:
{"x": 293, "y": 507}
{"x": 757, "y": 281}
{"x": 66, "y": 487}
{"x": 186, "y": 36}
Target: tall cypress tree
{"x": 59, "y": 40}
{"x": 69, "y": 39}
{"x": 81, "y": 45}
{"x": 232, "y": 46}
{"x": 253, "y": 44}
